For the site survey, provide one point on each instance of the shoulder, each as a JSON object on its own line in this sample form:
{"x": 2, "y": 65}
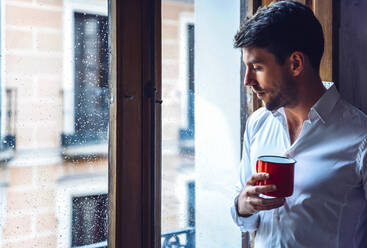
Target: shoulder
{"x": 258, "y": 118}
{"x": 352, "y": 116}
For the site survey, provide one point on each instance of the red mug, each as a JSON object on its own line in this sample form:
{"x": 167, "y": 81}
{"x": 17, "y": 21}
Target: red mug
{"x": 281, "y": 174}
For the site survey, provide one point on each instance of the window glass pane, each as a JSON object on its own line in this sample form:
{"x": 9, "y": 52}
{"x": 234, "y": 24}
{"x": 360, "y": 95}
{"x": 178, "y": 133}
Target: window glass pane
{"x": 178, "y": 123}
{"x": 201, "y": 122}
{"x": 90, "y": 223}
{"x": 54, "y": 123}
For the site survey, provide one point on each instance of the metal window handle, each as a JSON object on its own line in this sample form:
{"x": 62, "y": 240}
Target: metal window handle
{"x": 129, "y": 97}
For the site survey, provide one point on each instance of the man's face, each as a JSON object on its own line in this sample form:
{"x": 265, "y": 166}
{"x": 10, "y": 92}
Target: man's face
{"x": 269, "y": 80}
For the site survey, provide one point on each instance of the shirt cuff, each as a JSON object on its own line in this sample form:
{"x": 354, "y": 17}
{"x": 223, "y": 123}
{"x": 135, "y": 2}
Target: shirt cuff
{"x": 246, "y": 224}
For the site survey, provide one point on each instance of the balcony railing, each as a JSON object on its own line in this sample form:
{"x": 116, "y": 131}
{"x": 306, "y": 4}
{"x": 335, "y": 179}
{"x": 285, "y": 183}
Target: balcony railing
{"x": 184, "y": 238}
{"x": 102, "y": 244}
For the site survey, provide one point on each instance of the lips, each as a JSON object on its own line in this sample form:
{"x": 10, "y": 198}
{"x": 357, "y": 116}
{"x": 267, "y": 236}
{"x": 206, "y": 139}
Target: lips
{"x": 259, "y": 93}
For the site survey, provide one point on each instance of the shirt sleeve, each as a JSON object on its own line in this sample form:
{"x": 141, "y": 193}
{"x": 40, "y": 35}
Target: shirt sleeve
{"x": 251, "y": 223}
{"x": 362, "y": 163}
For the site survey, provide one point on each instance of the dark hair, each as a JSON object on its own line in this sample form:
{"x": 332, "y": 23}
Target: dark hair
{"x": 282, "y": 28}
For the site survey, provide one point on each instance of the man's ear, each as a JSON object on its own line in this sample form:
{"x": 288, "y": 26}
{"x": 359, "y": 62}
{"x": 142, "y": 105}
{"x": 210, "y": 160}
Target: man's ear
{"x": 297, "y": 63}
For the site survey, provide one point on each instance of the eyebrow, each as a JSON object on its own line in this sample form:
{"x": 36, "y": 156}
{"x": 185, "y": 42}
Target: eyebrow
{"x": 256, "y": 61}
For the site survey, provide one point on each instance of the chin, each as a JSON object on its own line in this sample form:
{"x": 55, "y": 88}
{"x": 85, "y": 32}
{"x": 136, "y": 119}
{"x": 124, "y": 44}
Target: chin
{"x": 274, "y": 103}
{"x": 272, "y": 106}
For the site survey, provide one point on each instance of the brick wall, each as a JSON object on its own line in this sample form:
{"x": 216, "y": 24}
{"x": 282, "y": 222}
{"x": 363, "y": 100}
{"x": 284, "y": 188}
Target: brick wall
{"x": 33, "y": 66}
{"x": 33, "y": 31}
{"x": 30, "y": 211}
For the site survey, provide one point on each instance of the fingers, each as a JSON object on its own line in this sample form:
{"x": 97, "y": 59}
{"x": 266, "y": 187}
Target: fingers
{"x": 249, "y": 200}
{"x": 258, "y": 204}
{"x": 256, "y": 177}
{"x": 266, "y": 202}
{"x": 256, "y": 190}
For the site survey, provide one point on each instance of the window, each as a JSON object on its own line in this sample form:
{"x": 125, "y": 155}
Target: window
{"x": 178, "y": 154}
{"x": 198, "y": 181}
{"x": 187, "y": 134}
{"x": 8, "y": 135}
{"x": 82, "y": 211}
{"x": 91, "y": 77}
{"x": 89, "y": 220}
{"x": 86, "y": 119}
{"x": 8, "y": 99}
{"x": 91, "y": 80}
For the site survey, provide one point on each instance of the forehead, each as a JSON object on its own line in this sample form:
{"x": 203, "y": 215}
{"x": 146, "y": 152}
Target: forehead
{"x": 254, "y": 55}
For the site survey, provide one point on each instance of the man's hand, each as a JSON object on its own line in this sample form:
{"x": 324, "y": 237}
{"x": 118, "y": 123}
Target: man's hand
{"x": 249, "y": 201}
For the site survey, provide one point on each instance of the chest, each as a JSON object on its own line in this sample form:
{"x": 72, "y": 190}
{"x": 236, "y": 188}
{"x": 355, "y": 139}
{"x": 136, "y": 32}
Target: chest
{"x": 326, "y": 161}
{"x": 294, "y": 132}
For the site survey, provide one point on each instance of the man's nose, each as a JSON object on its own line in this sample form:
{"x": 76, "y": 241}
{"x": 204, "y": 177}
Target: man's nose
{"x": 249, "y": 80}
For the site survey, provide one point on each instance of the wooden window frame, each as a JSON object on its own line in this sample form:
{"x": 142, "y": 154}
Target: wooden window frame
{"x": 136, "y": 62}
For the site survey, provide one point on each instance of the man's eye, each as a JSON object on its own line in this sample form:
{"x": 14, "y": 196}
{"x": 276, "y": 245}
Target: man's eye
{"x": 256, "y": 68}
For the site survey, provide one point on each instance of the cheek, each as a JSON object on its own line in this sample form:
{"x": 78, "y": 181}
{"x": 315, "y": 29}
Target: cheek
{"x": 276, "y": 81}
{"x": 268, "y": 83}
{"x": 263, "y": 80}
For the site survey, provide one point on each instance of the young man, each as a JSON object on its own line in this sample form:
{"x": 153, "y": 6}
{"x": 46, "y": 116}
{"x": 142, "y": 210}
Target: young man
{"x": 282, "y": 46}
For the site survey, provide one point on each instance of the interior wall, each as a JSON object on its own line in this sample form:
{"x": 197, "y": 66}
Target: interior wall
{"x": 353, "y": 51}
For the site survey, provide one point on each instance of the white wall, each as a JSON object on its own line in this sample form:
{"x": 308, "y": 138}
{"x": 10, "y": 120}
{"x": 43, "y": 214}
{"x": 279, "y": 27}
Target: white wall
{"x": 217, "y": 120}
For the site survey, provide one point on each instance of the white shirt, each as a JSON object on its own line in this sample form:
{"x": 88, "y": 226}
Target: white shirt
{"x": 328, "y": 207}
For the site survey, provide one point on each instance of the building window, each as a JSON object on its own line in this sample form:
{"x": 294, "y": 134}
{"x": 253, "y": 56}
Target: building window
{"x": 91, "y": 93}
{"x": 8, "y": 99}
{"x": 187, "y": 133}
{"x": 89, "y": 219}
{"x": 82, "y": 212}
{"x": 8, "y": 138}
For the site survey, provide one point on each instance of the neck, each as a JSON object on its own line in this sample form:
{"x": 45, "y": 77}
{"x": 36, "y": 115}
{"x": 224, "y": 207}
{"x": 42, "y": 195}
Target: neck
{"x": 309, "y": 92}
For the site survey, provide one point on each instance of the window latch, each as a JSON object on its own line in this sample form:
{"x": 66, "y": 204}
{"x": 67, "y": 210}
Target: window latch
{"x": 150, "y": 91}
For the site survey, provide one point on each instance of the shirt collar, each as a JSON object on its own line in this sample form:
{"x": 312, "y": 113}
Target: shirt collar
{"x": 278, "y": 112}
{"x": 321, "y": 109}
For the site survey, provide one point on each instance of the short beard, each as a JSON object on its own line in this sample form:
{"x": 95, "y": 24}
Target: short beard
{"x": 286, "y": 97}
{"x": 274, "y": 104}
